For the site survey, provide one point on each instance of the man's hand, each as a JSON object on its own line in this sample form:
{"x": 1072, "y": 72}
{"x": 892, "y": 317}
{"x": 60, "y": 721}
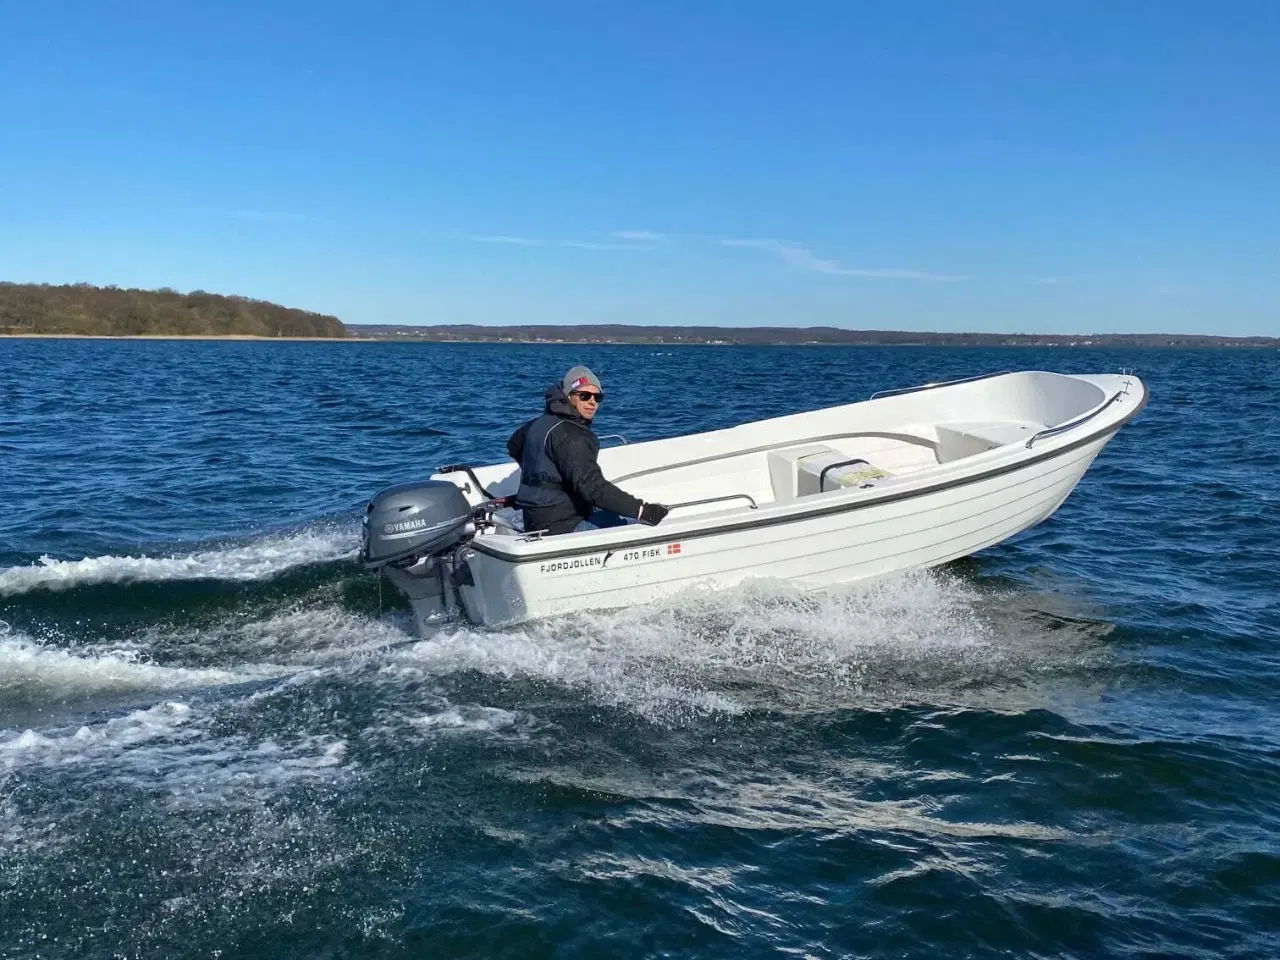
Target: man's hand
{"x": 653, "y": 513}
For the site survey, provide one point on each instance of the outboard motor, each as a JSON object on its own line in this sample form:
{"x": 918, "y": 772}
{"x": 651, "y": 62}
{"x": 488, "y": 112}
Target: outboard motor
{"x": 412, "y": 533}
{"x": 426, "y": 518}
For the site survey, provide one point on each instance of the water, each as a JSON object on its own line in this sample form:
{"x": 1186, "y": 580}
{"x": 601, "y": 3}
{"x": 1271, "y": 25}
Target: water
{"x": 217, "y": 739}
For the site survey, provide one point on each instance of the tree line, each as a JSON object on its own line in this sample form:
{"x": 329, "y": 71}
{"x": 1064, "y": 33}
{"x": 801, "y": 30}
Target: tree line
{"x": 86, "y": 310}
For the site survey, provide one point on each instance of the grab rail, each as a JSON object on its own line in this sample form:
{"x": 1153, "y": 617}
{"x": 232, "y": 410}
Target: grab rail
{"x": 612, "y": 436}
{"x": 933, "y": 386}
{"x": 1064, "y": 427}
{"x": 732, "y": 496}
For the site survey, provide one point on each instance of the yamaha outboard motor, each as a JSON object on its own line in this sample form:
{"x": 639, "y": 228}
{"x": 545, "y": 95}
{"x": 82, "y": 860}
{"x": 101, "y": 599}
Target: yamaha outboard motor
{"x": 412, "y": 520}
{"x": 412, "y": 533}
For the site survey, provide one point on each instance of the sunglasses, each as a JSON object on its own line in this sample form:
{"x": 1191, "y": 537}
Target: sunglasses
{"x": 588, "y": 395}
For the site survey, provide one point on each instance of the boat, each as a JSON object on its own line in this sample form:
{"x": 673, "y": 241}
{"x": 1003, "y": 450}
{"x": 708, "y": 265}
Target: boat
{"x": 910, "y": 478}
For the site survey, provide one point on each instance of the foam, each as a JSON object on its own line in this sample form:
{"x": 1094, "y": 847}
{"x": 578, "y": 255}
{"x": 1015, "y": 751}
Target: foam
{"x": 168, "y": 746}
{"x": 26, "y": 665}
{"x": 610, "y": 677}
{"x": 29, "y": 748}
{"x": 298, "y": 636}
{"x": 467, "y": 718}
{"x": 772, "y": 798}
{"x": 431, "y": 717}
{"x": 233, "y": 772}
{"x": 772, "y": 629}
{"x": 259, "y": 560}
{"x": 672, "y": 660}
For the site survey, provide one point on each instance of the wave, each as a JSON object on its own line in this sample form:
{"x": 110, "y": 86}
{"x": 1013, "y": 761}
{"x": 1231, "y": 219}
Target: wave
{"x": 258, "y": 560}
{"x": 170, "y": 745}
{"x": 27, "y": 666}
{"x": 165, "y": 657}
{"x": 297, "y": 637}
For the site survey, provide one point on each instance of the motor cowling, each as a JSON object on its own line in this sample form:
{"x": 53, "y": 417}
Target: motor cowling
{"x": 426, "y": 518}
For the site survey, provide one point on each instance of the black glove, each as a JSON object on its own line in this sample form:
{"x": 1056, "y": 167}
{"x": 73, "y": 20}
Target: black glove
{"x": 653, "y": 513}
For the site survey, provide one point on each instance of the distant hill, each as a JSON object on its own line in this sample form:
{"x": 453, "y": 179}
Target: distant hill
{"x": 619, "y": 333}
{"x": 82, "y": 309}
{"x": 110, "y": 311}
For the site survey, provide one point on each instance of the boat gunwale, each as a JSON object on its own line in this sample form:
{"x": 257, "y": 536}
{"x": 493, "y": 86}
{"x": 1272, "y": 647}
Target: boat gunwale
{"x": 747, "y": 523}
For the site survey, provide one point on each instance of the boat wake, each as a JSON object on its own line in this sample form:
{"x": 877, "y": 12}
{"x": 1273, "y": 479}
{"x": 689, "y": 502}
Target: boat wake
{"x": 259, "y": 559}
{"x": 294, "y": 716}
{"x": 358, "y": 680}
{"x": 276, "y": 694}
{"x": 764, "y": 645}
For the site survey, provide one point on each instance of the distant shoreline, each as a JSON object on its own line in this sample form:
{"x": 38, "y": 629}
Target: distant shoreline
{"x": 168, "y": 336}
{"x": 652, "y": 335}
{"x": 82, "y": 311}
{"x": 1110, "y": 341}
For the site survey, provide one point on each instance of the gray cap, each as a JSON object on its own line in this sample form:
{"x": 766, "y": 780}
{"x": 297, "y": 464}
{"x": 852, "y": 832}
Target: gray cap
{"x": 579, "y": 377}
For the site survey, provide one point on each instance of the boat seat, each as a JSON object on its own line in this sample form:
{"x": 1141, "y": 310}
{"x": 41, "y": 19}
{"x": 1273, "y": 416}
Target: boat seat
{"x": 810, "y": 468}
{"x": 959, "y": 440}
{"x": 818, "y": 476}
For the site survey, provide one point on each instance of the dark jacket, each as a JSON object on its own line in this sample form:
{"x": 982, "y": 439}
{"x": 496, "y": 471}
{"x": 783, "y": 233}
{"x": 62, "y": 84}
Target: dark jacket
{"x": 570, "y": 482}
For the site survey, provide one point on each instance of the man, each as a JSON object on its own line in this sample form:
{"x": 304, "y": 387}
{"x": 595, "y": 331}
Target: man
{"x": 561, "y": 486}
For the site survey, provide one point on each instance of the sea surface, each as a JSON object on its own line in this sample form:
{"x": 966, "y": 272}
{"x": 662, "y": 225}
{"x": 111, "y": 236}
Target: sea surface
{"x": 217, "y": 738}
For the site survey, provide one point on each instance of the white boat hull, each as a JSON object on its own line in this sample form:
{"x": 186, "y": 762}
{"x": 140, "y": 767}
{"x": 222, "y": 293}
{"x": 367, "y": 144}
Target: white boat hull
{"x": 923, "y": 514}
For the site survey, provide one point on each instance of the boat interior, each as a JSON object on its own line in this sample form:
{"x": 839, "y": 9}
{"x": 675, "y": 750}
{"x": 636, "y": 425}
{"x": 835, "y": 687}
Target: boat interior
{"x": 862, "y": 446}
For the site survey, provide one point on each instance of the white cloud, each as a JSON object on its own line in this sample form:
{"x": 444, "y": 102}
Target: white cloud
{"x": 593, "y": 245}
{"x": 638, "y": 235}
{"x": 517, "y": 241}
{"x": 572, "y": 244}
{"x": 802, "y": 257}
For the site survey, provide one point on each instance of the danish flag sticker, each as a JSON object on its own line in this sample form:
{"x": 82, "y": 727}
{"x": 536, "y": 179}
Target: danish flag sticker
{"x": 673, "y": 548}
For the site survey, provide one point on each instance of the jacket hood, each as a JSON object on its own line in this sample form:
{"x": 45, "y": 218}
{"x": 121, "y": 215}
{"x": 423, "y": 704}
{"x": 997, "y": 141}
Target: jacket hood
{"x": 558, "y": 404}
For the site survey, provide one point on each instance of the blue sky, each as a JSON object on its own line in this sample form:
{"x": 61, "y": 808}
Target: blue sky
{"x": 927, "y": 166}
